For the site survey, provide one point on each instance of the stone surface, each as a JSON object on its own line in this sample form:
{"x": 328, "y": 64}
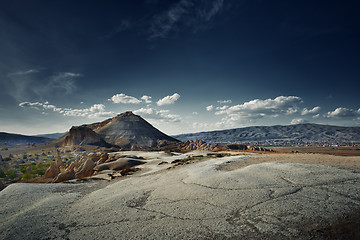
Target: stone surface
{"x": 52, "y": 171}
{"x": 118, "y": 164}
{"x": 269, "y": 200}
{"x": 62, "y": 177}
{"x": 86, "y": 169}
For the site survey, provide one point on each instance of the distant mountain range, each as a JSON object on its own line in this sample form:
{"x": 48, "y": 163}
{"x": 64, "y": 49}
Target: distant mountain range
{"x": 13, "y": 139}
{"x": 51, "y": 135}
{"x": 127, "y": 130}
{"x": 300, "y": 134}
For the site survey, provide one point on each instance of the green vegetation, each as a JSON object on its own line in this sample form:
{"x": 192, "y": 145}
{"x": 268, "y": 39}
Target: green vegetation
{"x": 7, "y": 159}
{"x": 28, "y": 175}
{"x": 10, "y": 175}
{"x": 2, "y": 174}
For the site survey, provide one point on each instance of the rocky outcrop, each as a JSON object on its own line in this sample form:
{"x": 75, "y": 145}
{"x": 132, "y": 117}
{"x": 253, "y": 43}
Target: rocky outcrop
{"x": 195, "y": 145}
{"x": 119, "y": 164}
{"x": 86, "y": 169}
{"x": 240, "y": 147}
{"x": 62, "y": 177}
{"x": 82, "y": 135}
{"x": 52, "y": 171}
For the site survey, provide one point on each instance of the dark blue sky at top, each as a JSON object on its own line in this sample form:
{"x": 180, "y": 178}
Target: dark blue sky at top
{"x": 205, "y": 50}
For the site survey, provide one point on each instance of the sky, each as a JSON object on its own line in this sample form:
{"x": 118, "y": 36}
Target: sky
{"x": 183, "y": 65}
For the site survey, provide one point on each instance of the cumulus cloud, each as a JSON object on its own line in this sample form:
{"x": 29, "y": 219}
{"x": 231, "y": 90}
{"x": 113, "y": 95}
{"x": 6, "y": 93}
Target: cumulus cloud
{"x": 342, "y": 112}
{"x": 122, "y": 98}
{"x": 168, "y": 99}
{"x": 258, "y": 108}
{"x": 210, "y": 108}
{"x": 224, "y": 101}
{"x": 162, "y": 115}
{"x": 147, "y": 99}
{"x": 96, "y": 110}
{"x": 222, "y": 107}
{"x": 298, "y": 121}
{"x": 306, "y": 111}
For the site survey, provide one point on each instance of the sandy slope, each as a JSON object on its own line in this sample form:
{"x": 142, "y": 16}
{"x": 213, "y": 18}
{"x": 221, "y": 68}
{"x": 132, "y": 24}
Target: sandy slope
{"x": 213, "y": 199}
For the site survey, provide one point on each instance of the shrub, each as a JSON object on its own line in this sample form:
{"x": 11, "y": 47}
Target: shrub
{"x": 7, "y": 159}
{"x": 28, "y": 175}
{"x": 11, "y": 175}
{"x": 40, "y": 171}
{"x": 23, "y": 169}
{"x": 2, "y": 174}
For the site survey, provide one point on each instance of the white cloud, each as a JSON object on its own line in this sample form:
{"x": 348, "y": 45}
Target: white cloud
{"x": 97, "y": 110}
{"x": 195, "y": 113}
{"x": 147, "y": 99}
{"x": 256, "y": 109}
{"x": 224, "y": 101}
{"x": 210, "y": 108}
{"x": 306, "y": 111}
{"x": 168, "y": 99}
{"x": 259, "y": 108}
{"x": 342, "y": 112}
{"x": 222, "y": 107}
{"x": 122, "y": 98}
{"x": 23, "y": 72}
{"x": 298, "y": 121}
{"x": 162, "y": 115}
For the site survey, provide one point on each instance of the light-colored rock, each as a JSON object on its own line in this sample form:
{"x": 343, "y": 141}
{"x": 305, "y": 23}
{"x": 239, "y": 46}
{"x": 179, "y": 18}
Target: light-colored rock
{"x": 86, "y": 169}
{"x": 52, "y": 171}
{"x": 269, "y": 200}
{"x": 62, "y": 177}
{"x": 119, "y": 164}
{"x": 58, "y": 162}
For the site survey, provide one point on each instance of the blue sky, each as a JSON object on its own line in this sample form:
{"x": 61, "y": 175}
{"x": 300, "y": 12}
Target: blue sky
{"x": 183, "y": 65}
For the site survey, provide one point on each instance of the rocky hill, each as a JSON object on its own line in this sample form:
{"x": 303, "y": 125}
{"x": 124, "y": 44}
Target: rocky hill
{"x": 126, "y": 130}
{"x": 300, "y": 134}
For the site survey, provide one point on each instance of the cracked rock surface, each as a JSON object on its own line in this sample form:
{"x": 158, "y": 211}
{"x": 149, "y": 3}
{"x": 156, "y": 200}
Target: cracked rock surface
{"x": 269, "y": 200}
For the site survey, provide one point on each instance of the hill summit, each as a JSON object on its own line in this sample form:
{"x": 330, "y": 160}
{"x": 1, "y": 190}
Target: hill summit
{"x": 126, "y": 130}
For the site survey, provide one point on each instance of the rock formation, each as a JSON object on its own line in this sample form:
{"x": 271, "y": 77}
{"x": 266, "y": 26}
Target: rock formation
{"x": 126, "y": 130}
{"x": 52, "y": 171}
{"x": 195, "y": 145}
{"x": 82, "y": 135}
{"x": 86, "y": 169}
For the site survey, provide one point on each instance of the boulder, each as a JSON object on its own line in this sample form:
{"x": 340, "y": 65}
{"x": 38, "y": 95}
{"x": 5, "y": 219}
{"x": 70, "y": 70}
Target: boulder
{"x": 103, "y": 158}
{"x": 58, "y": 162}
{"x": 93, "y": 157}
{"x": 28, "y": 169}
{"x": 86, "y": 169}
{"x": 52, "y": 171}
{"x": 64, "y": 177}
{"x": 121, "y": 163}
{"x": 1, "y": 158}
